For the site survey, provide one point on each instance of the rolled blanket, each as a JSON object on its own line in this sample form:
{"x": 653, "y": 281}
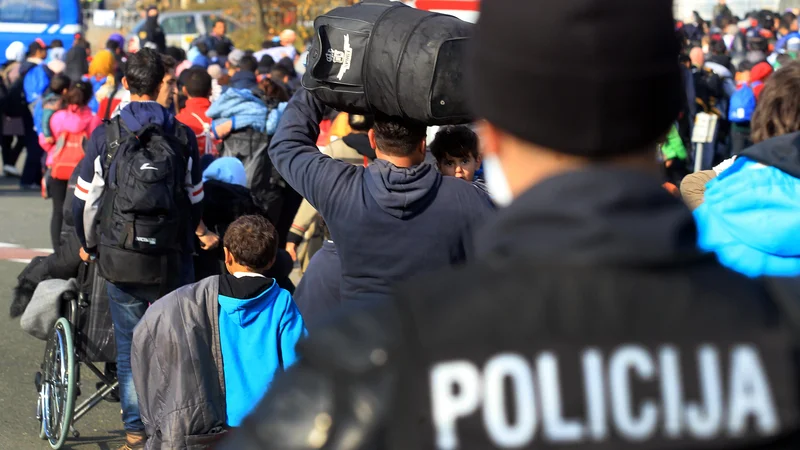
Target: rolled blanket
{"x": 45, "y": 307}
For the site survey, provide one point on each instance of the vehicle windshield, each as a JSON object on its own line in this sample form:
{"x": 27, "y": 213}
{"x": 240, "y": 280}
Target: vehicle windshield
{"x": 29, "y": 11}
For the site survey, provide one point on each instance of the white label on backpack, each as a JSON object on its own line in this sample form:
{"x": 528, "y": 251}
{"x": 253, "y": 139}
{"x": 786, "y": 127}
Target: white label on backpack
{"x": 344, "y": 58}
{"x": 740, "y": 113}
{"x": 147, "y": 166}
{"x": 146, "y": 240}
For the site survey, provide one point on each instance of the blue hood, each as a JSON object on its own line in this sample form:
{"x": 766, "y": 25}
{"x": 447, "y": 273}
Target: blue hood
{"x": 751, "y": 214}
{"x": 402, "y": 192}
{"x": 137, "y": 115}
{"x": 227, "y": 170}
{"x": 245, "y": 312}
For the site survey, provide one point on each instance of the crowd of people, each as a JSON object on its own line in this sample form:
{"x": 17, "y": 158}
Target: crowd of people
{"x": 555, "y": 266}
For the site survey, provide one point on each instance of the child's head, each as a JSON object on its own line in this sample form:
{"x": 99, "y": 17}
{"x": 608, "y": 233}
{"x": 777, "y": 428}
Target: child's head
{"x": 79, "y": 94}
{"x": 197, "y": 84}
{"x": 456, "y": 151}
{"x": 59, "y": 84}
{"x": 250, "y": 245}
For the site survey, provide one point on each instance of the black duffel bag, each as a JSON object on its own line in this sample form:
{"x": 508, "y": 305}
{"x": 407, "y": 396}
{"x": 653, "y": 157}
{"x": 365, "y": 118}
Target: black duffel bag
{"x": 385, "y": 56}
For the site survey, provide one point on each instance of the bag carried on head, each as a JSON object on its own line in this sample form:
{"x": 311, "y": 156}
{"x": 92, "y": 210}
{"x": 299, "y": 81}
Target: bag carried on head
{"x": 145, "y": 208}
{"x": 384, "y": 56}
{"x": 743, "y": 104}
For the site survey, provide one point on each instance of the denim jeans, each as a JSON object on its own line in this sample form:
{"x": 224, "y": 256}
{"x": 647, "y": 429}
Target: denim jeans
{"x": 128, "y": 305}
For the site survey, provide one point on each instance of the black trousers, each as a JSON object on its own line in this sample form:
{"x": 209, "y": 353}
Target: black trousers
{"x": 57, "y": 190}
{"x": 11, "y": 152}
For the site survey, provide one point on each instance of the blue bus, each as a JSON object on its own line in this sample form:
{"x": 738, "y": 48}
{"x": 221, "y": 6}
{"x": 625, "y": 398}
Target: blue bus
{"x": 26, "y": 20}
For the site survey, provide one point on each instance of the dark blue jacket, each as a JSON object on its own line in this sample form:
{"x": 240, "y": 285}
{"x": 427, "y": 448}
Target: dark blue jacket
{"x": 319, "y": 290}
{"x": 389, "y": 223}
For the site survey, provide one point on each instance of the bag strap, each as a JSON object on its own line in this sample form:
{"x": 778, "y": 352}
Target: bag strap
{"x": 113, "y": 140}
{"x": 107, "y": 114}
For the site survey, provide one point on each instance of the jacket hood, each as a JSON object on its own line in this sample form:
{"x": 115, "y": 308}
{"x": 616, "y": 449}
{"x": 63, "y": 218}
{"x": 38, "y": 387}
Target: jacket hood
{"x": 760, "y": 72}
{"x": 402, "y": 192}
{"x": 594, "y": 216}
{"x": 137, "y": 115}
{"x": 244, "y": 80}
{"x": 243, "y": 312}
{"x": 754, "y": 206}
{"x": 227, "y": 170}
{"x": 360, "y": 142}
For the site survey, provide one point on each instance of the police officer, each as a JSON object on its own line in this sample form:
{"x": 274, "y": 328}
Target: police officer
{"x": 151, "y": 35}
{"x": 590, "y": 320}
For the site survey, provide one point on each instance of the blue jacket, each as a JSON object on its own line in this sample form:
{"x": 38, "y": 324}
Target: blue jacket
{"x": 319, "y": 290}
{"x": 94, "y": 105}
{"x": 389, "y": 223}
{"x": 245, "y": 109}
{"x": 751, "y": 214}
{"x": 259, "y": 327}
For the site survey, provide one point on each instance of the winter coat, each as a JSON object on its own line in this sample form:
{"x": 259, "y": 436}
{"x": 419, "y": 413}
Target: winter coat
{"x": 245, "y": 109}
{"x": 193, "y": 115}
{"x": 751, "y": 212}
{"x": 387, "y": 221}
{"x": 176, "y": 355}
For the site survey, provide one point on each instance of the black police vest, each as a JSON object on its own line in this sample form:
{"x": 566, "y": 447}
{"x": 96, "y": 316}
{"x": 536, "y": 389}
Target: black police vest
{"x": 690, "y": 356}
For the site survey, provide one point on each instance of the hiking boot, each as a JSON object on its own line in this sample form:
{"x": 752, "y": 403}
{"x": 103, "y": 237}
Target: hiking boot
{"x": 134, "y": 440}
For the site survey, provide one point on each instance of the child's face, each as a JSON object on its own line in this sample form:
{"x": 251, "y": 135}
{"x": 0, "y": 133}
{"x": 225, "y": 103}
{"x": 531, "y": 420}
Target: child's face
{"x": 463, "y": 168}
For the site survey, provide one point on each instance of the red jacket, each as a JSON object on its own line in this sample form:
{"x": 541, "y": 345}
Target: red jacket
{"x": 194, "y": 116}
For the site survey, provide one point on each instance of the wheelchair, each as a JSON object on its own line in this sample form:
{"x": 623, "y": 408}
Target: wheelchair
{"x": 70, "y": 344}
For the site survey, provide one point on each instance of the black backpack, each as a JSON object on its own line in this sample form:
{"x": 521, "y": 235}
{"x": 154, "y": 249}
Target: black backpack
{"x": 381, "y": 55}
{"x": 145, "y": 209}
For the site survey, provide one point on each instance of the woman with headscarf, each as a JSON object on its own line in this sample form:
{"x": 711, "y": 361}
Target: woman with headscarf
{"x": 100, "y": 70}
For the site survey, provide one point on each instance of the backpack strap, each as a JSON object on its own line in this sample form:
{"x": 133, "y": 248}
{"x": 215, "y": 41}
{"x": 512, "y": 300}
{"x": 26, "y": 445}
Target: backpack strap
{"x": 107, "y": 114}
{"x": 113, "y": 140}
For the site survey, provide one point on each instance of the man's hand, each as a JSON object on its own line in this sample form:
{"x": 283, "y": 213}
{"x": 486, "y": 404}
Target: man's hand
{"x": 291, "y": 249}
{"x": 85, "y": 257}
{"x": 208, "y": 241}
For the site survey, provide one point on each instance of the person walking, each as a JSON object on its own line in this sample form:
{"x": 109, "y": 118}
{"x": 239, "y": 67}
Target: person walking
{"x": 150, "y": 164}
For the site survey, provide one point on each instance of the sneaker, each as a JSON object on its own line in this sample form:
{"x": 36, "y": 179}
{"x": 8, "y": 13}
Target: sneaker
{"x": 134, "y": 440}
{"x": 10, "y": 171}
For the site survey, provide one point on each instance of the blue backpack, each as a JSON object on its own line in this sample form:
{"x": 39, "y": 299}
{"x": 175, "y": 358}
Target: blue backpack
{"x": 743, "y": 103}
{"x": 37, "y": 80}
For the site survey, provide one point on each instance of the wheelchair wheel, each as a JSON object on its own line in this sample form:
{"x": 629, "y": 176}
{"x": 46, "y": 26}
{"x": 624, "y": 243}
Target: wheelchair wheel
{"x": 58, "y": 386}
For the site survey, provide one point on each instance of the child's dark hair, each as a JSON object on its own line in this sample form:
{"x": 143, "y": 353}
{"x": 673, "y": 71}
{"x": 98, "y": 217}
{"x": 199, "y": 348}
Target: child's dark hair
{"x": 252, "y": 241}
{"x": 202, "y": 48}
{"x": 59, "y": 83}
{"x": 197, "y": 83}
{"x": 457, "y": 141}
{"x": 56, "y": 43}
{"x": 79, "y": 94}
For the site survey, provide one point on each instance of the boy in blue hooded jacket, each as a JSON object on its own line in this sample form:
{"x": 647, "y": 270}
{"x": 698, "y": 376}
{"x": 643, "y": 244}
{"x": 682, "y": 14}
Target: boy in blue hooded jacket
{"x": 204, "y": 355}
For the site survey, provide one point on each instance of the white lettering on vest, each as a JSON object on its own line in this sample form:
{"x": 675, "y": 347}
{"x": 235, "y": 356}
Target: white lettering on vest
{"x": 501, "y": 431}
{"x": 631, "y": 359}
{"x": 459, "y": 389}
{"x": 671, "y": 391}
{"x": 556, "y": 427}
{"x": 594, "y": 386}
{"x": 448, "y": 406}
{"x": 749, "y": 393}
{"x": 704, "y": 421}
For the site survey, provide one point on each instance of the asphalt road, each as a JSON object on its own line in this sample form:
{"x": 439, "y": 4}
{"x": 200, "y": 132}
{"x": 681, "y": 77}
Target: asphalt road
{"x": 24, "y": 222}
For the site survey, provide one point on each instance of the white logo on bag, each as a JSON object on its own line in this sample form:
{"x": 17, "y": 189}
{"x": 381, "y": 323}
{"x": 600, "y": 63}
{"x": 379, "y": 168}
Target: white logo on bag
{"x": 146, "y": 240}
{"x": 147, "y": 166}
{"x": 344, "y": 58}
